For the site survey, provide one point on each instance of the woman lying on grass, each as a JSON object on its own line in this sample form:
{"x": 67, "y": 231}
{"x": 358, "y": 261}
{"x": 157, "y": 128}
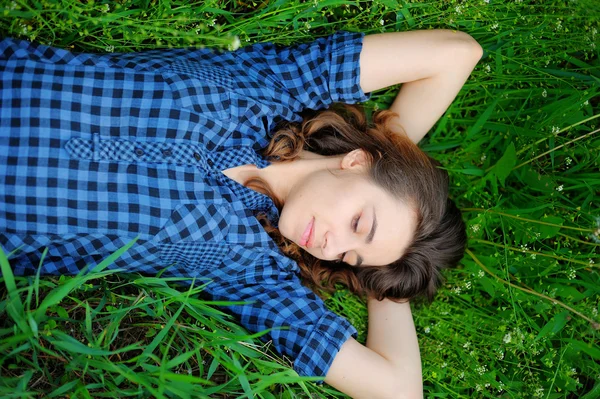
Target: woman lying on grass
{"x": 186, "y": 150}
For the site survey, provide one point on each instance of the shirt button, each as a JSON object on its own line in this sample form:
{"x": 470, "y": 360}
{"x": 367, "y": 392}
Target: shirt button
{"x": 197, "y": 156}
{"x": 167, "y": 153}
{"x": 139, "y": 152}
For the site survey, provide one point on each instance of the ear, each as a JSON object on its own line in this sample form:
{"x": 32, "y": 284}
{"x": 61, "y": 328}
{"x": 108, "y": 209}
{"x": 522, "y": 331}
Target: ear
{"x": 357, "y": 159}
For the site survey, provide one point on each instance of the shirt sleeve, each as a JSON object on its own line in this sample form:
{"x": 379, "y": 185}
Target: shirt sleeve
{"x": 301, "y": 327}
{"x": 314, "y": 74}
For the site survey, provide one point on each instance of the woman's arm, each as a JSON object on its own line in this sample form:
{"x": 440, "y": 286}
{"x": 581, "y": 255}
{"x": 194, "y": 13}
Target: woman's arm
{"x": 390, "y": 365}
{"x": 432, "y": 65}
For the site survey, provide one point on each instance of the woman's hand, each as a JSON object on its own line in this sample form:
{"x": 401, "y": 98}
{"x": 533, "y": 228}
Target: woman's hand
{"x": 390, "y": 365}
{"x": 432, "y": 65}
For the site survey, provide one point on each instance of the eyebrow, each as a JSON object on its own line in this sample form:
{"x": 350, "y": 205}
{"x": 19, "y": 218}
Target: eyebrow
{"x": 359, "y": 259}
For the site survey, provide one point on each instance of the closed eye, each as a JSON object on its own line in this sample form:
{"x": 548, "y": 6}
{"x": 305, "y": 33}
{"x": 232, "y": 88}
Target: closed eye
{"x": 355, "y": 223}
{"x": 355, "y": 229}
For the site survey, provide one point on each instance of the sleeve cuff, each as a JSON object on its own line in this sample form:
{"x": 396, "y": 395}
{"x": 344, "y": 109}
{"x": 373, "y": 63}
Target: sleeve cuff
{"x": 344, "y": 74}
{"x": 323, "y": 344}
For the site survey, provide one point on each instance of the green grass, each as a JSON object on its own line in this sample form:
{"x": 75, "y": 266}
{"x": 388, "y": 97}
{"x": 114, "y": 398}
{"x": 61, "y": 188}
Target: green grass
{"x": 517, "y": 319}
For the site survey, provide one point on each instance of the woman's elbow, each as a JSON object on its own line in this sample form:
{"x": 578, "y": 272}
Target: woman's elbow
{"x": 468, "y": 48}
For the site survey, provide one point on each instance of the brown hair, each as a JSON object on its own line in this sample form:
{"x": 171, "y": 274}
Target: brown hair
{"x": 399, "y": 167}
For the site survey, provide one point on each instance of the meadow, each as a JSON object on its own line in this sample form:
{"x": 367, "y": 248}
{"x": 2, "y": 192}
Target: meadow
{"x": 517, "y": 319}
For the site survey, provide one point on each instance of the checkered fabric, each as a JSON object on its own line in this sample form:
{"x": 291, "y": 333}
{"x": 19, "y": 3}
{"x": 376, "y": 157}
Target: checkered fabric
{"x": 96, "y": 149}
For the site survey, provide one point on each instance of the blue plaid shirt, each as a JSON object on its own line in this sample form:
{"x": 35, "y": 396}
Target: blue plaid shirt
{"x": 96, "y": 149}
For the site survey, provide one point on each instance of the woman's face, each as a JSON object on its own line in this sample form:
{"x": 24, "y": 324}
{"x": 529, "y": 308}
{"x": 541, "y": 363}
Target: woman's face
{"x": 344, "y": 216}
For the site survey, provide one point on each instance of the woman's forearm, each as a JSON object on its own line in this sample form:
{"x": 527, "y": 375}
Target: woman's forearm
{"x": 432, "y": 66}
{"x": 392, "y": 335}
{"x": 390, "y": 365}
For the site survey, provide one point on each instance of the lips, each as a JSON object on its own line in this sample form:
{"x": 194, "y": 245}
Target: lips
{"x": 308, "y": 236}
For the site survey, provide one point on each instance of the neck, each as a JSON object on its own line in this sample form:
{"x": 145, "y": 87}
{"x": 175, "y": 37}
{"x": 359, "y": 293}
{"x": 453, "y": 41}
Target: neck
{"x": 283, "y": 176}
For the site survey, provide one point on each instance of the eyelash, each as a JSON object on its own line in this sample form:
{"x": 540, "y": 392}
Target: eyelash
{"x": 355, "y": 228}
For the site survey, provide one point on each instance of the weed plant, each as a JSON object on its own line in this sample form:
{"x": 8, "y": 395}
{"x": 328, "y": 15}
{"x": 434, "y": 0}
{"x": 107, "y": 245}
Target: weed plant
{"x": 517, "y": 319}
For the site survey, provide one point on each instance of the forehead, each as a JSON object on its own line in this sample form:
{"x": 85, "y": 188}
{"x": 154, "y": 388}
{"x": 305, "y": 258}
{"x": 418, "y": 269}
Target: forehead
{"x": 395, "y": 229}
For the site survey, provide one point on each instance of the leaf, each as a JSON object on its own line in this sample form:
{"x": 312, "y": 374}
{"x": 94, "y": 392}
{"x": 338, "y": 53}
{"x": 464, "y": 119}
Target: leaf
{"x": 554, "y": 325}
{"x": 478, "y": 125}
{"x": 67, "y": 342}
{"x": 14, "y": 306}
{"x": 160, "y": 336}
{"x": 489, "y": 286}
{"x": 537, "y": 181}
{"x": 177, "y": 360}
{"x": 213, "y": 365}
{"x": 594, "y": 393}
{"x": 505, "y": 164}
{"x": 33, "y": 325}
{"x": 60, "y": 391}
{"x": 473, "y": 171}
{"x": 547, "y": 231}
{"x": 58, "y": 293}
{"x": 583, "y": 347}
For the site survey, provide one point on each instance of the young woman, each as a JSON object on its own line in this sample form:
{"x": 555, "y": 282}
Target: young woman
{"x": 179, "y": 147}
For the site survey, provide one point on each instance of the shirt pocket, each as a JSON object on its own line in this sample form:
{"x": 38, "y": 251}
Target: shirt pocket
{"x": 200, "y": 86}
{"x": 194, "y": 238}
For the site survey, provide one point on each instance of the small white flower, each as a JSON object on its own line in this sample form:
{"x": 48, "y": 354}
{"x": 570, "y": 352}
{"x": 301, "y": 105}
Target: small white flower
{"x": 458, "y": 10}
{"x": 109, "y": 49}
{"x": 381, "y": 22}
{"x": 544, "y": 93}
{"x": 466, "y": 345}
{"x": 558, "y": 24}
{"x": 500, "y": 386}
{"x": 475, "y": 228}
{"x": 555, "y": 129}
{"x": 461, "y": 375}
{"x": 480, "y": 273}
{"x": 568, "y": 161}
{"x": 572, "y": 274}
{"x": 235, "y": 44}
{"x": 507, "y": 338}
{"x": 481, "y": 369}
{"x": 478, "y": 388}
{"x": 486, "y": 1}
{"x": 467, "y": 285}
{"x": 533, "y": 256}
{"x": 427, "y": 330}
{"x": 559, "y": 188}
{"x": 495, "y": 26}
{"x": 106, "y": 8}
{"x": 444, "y": 365}
{"x": 591, "y": 261}
{"x": 212, "y": 22}
{"x": 483, "y": 157}
{"x": 487, "y": 68}
{"x": 586, "y": 102}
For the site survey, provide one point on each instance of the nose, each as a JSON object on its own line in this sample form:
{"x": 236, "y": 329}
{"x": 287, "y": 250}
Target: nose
{"x": 334, "y": 245}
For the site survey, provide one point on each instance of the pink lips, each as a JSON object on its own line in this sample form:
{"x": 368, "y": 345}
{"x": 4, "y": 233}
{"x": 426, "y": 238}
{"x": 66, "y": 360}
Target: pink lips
{"x": 305, "y": 240}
